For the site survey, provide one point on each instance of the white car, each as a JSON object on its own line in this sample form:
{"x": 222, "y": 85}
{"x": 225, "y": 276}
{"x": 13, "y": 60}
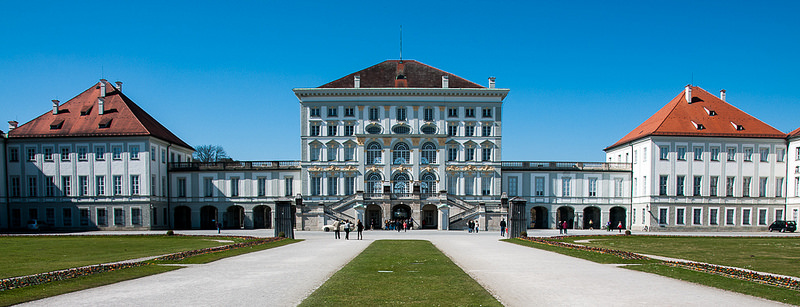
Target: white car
{"x": 329, "y": 228}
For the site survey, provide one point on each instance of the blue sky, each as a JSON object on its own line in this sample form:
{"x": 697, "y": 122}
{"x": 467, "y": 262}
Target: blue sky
{"x": 581, "y": 74}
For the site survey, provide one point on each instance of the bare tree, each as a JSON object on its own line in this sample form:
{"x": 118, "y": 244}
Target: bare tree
{"x": 210, "y": 153}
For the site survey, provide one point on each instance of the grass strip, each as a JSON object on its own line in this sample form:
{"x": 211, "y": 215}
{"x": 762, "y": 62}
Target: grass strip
{"x": 582, "y": 254}
{"x": 401, "y": 272}
{"x": 211, "y": 257}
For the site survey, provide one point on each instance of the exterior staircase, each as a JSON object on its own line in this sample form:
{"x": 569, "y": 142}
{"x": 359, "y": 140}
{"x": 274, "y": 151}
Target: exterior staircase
{"x": 467, "y": 212}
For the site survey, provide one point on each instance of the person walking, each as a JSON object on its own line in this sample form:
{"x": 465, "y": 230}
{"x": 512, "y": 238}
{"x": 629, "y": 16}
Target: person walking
{"x": 608, "y": 226}
{"x": 470, "y": 226}
{"x": 477, "y": 226}
{"x": 347, "y": 227}
{"x": 619, "y": 226}
{"x": 560, "y": 230}
{"x": 503, "y": 227}
{"x": 590, "y": 224}
{"x": 360, "y": 228}
{"x": 336, "y": 233}
{"x": 564, "y": 226}
{"x": 405, "y": 225}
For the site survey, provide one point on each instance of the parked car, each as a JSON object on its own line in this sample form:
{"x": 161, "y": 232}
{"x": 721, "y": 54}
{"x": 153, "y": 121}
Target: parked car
{"x": 329, "y": 228}
{"x": 783, "y": 226}
{"x": 33, "y": 225}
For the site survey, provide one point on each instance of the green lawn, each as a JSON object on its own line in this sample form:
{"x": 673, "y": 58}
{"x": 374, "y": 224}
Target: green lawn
{"x": 25, "y": 255}
{"x": 392, "y": 272}
{"x": 774, "y": 255}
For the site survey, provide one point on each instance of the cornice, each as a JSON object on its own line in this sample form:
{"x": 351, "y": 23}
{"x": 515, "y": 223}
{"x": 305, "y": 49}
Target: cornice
{"x": 463, "y": 92}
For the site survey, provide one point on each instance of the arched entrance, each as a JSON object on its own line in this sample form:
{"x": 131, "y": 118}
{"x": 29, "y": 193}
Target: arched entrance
{"x": 538, "y": 218}
{"x": 208, "y": 217}
{"x": 183, "y": 217}
{"x": 429, "y": 220}
{"x": 401, "y": 212}
{"x": 565, "y": 213}
{"x": 262, "y": 217}
{"x": 374, "y": 217}
{"x": 234, "y": 217}
{"x": 591, "y": 218}
{"x": 617, "y": 215}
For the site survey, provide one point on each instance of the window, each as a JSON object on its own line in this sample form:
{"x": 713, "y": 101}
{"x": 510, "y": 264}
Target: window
{"x": 84, "y": 215}
{"x": 745, "y": 216}
{"x": 102, "y": 219}
{"x": 314, "y": 152}
{"x": 13, "y": 155}
{"x": 487, "y": 112}
{"x": 428, "y": 153}
{"x": 565, "y": 186}
{"x": 762, "y": 216}
{"x": 452, "y": 130}
{"x": 134, "y": 184}
{"x": 116, "y": 152}
{"x": 635, "y": 157}
{"x": 119, "y": 217}
{"x": 373, "y": 113}
{"x": 153, "y": 185}
{"x": 349, "y": 111}
{"x": 779, "y": 187}
{"x": 486, "y": 153}
{"x": 15, "y": 186}
{"x": 315, "y": 185}
{"x": 712, "y": 183}
{"x": 469, "y": 130}
{"x": 746, "y": 186}
{"x": 778, "y": 214}
{"x": 181, "y": 187}
{"x": 332, "y": 129}
{"x": 349, "y": 152}
{"x": 234, "y": 186}
{"x": 373, "y": 129}
{"x": 452, "y": 112}
{"x": 349, "y": 185}
{"x": 698, "y": 180}
{"x": 592, "y": 187}
{"x": 697, "y": 216}
{"x": 539, "y": 186}
{"x": 428, "y": 114}
{"x": 748, "y": 154}
{"x": 731, "y": 154}
{"x": 698, "y": 153}
{"x": 714, "y": 153}
{"x": 332, "y": 112}
{"x": 333, "y": 150}
{"x": 428, "y": 129}
{"x": 780, "y": 155}
{"x": 117, "y": 181}
{"x": 349, "y": 129}
{"x": 66, "y": 217}
{"x": 208, "y": 187}
{"x": 486, "y": 129}
{"x": 469, "y": 153}
{"x": 100, "y": 185}
{"x": 373, "y": 184}
{"x": 680, "y": 216}
{"x": 662, "y": 185}
{"x": 288, "y": 188}
{"x": 452, "y": 153}
{"x": 762, "y": 187}
{"x": 401, "y": 114}
{"x": 644, "y": 154}
{"x": 373, "y": 153}
{"x": 48, "y": 153}
{"x": 64, "y": 153}
{"x": 134, "y": 152}
{"x": 679, "y": 185}
{"x": 512, "y": 186}
{"x": 712, "y": 216}
{"x": 681, "y": 153}
{"x": 136, "y": 216}
{"x": 333, "y": 186}
{"x": 31, "y": 154}
{"x": 469, "y": 112}
{"x": 618, "y": 187}
{"x": 729, "y": 184}
{"x": 664, "y": 152}
{"x": 313, "y": 112}
{"x": 764, "y": 153}
{"x": 83, "y": 185}
{"x": 66, "y": 185}
{"x": 469, "y": 185}
{"x": 797, "y": 154}
{"x": 314, "y": 129}
{"x": 33, "y": 186}
{"x": 401, "y": 154}
{"x": 662, "y": 216}
{"x": 428, "y": 184}
{"x": 152, "y": 153}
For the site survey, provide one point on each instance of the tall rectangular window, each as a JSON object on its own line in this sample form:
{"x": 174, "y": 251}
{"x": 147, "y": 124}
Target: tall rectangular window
{"x": 333, "y": 185}
{"x": 134, "y": 184}
{"x": 762, "y": 217}
{"x": 712, "y": 184}
{"x": 619, "y": 187}
{"x": 64, "y": 153}
{"x": 262, "y": 186}
{"x": 31, "y": 154}
{"x": 664, "y": 152}
{"x": 452, "y": 112}
{"x": 512, "y": 186}
{"x": 102, "y": 217}
{"x": 469, "y": 112}
{"x": 679, "y": 185}
{"x": 100, "y": 185}
{"x": 349, "y": 185}
{"x": 373, "y": 113}
{"x": 84, "y": 215}
{"x": 136, "y": 216}
{"x": 349, "y": 129}
{"x": 401, "y": 114}
{"x": 13, "y": 155}
{"x": 780, "y": 155}
{"x": 487, "y": 112}
{"x": 764, "y": 154}
{"x": 83, "y": 185}
{"x": 33, "y": 186}
{"x": 234, "y": 186}
{"x": 762, "y": 186}
{"x": 486, "y": 185}
{"x": 729, "y": 184}
{"x": 119, "y": 217}
{"x": 314, "y": 112}
{"x": 332, "y": 129}
{"x": 116, "y": 152}
{"x": 469, "y": 154}
{"x": 486, "y": 130}
{"x": 452, "y": 130}
{"x": 428, "y": 114}
{"x": 152, "y": 153}
{"x": 66, "y": 217}
{"x": 698, "y": 153}
{"x": 314, "y": 152}
{"x": 566, "y": 187}
{"x": 592, "y": 187}
{"x": 333, "y": 111}
{"x": 181, "y": 187}
{"x": 48, "y": 154}
{"x": 469, "y": 185}
{"x": 680, "y": 216}
{"x": 539, "y": 182}
{"x": 349, "y": 111}
{"x": 117, "y": 182}
{"x": 333, "y": 149}
{"x": 452, "y": 153}
{"x": 349, "y": 152}
{"x": 662, "y": 216}
{"x": 287, "y": 186}
{"x": 208, "y": 186}
{"x": 66, "y": 185}
{"x": 153, "y": 185}
{"x": 748, "y": 154}
{"x": 681, "y": 153}
{"x": 314, "y": 129}
{"x": 452, "y": 185}
{"x": 730, "y": 216}
{"x": 644, "y": 154}
{"x": 662, "y": 185}
{"x": 316, "y": 185}
{"x": 712, "y": 216}
{"x": 469, "y": 130}
{"x": 134, "y": 152}
{"x": 698, "y": 180}
{"x": 745, "y": 216}
{"x": 731, "y": 154}
{"x": 746, "y": 186}
{"x": 779, "y": 187}
{"x": 15, "y": 186}
{"x": 697, "y": 216}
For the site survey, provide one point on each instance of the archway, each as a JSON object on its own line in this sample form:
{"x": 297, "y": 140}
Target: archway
{"x": 208, "y": 217}
{"x": 538, "y": 218}
{"x": 591, "y": 218}
{"x": 429, "y": 220}
{"x": 401, "y": 212}
{"x": 234, "y": 217}
{"x": 565, "y": 213}
{"x": 374, "y": 217}
{"x": 262, "y": 217}
{"x": 183, "y": 217}
{"x": 616, "y": 216}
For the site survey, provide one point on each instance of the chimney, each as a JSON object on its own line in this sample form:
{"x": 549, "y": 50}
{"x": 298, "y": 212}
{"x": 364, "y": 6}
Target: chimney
{"x": 688, "y": 93}
{"x": 445, "y": 81}
{"x": 119, "y": 86}
{"x": 100, "y": 108}
{"x": 722, "y": 94}
{"x": 12, "y": 124}
{"x": 103, "y": 87}
{"x": 55, "y": 106}
{"x": 356, "y": 81}
{"x": 491, "y": 82}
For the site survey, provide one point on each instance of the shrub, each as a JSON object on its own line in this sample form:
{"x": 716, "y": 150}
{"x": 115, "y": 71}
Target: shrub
{"x": 170, "y": 232}
{"x": 627, "y": 232}
{"x": 282, "y": 234}
{"x": 523, "y": 234}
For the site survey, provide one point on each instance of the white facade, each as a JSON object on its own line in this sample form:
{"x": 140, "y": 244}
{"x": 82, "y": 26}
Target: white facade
{"x": 792, "y": 182}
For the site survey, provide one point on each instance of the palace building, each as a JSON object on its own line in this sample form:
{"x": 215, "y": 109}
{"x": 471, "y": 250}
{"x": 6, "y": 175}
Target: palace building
{"x": 399, "y": 140}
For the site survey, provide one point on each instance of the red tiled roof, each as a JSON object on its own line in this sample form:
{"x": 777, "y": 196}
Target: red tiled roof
{"x": 79, "y": 117}
{"x": 793, "y": 134}
{"x": 677, "y": 117}
{"x": 414, "y": 75}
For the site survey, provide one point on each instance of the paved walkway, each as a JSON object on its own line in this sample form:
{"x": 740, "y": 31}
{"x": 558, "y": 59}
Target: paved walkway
{"x": 516, "y": 275}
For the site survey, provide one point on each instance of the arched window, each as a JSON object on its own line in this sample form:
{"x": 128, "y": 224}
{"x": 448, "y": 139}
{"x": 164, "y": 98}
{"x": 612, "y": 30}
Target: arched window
{"x": 373, "y": 184}
{"x": 401, "y": 183}
{"x": 428, "y": 153}
{"x": 428, "y": 184}
{"x": 401, "y": 154}
{"x": 374, "y": 153}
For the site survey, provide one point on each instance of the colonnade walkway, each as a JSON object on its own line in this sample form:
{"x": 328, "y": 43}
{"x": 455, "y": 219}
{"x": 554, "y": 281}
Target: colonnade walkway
{"x": 516, "y": 275}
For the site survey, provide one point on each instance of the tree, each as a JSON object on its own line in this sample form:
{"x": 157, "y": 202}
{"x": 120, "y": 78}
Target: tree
{"x": 210, "y": 153}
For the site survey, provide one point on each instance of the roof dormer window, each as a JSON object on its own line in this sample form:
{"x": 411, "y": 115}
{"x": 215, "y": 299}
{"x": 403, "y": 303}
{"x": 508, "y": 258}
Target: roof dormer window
{"x": 710, "y": 112}
{"x": 698, "y": 126}
{"x": 737, "y": 127}
{"x": 86, "y": 110}
{"x": 56, "y": 124}
{"x": 105, "y": 123}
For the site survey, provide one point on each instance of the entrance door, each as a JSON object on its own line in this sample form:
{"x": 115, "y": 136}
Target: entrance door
{"x": 591, "y": 218}
{"x": 565, "y": 214}
{"x": 374, "y": 217}
{"x": 429, "y": 220}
